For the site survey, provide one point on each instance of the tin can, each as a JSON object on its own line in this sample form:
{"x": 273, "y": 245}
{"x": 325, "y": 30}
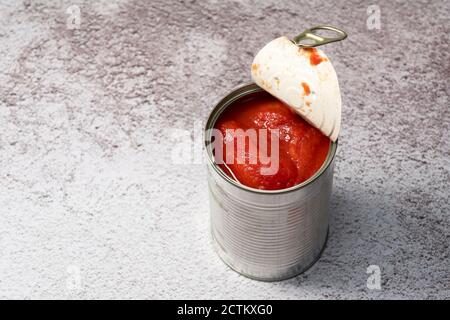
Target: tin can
{"x": 267, "y": 235}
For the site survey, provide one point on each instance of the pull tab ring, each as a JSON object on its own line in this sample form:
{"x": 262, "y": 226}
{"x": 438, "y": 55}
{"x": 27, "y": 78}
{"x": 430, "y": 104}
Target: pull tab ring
{"x": 309, "y": 38}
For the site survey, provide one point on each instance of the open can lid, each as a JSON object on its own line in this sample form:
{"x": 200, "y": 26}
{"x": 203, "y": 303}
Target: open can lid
{"x": 303, "y": 77}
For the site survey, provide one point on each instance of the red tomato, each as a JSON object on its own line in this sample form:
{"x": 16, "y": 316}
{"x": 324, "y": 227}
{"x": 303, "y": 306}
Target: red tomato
{"x": 302, "y": 148}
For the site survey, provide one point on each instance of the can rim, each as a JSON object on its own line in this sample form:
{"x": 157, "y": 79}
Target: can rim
{"x": 229, "y": 99}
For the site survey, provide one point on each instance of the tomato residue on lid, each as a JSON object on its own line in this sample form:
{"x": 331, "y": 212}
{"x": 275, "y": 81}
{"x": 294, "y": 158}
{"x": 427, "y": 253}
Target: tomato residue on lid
{"x": 306, "y": 88}
{"x": 314, "y": 57}
{"x": 302, "y": 148}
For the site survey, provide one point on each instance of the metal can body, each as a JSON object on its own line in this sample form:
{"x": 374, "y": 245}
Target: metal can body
{"x": 267, "y": 235}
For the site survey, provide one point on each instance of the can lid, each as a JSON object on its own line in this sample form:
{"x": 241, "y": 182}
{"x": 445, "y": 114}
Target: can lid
{"x": 302, "y": 76}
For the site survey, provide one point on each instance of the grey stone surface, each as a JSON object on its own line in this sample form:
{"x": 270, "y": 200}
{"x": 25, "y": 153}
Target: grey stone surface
{"x": 92, "y": 206}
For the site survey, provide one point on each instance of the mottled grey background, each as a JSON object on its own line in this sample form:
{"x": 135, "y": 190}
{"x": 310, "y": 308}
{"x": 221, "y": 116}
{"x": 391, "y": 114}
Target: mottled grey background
{"x": 91, "y": 205}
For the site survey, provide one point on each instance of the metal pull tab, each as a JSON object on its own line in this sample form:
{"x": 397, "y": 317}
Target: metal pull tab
{"x": 309, "y": 38}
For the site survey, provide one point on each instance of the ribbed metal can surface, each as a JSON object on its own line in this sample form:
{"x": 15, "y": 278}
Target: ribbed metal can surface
{"x": 267, "y": 235}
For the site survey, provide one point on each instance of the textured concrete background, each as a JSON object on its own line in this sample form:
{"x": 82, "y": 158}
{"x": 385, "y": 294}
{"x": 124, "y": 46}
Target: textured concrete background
{"x": 91, "y": 205}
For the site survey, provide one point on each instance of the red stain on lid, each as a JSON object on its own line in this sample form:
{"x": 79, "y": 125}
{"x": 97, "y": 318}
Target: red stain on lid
{"x": 306, "y": 88}
{"x": 314, "y": 57}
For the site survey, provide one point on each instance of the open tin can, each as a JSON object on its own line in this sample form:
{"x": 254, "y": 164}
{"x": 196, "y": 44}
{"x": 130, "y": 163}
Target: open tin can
{"x": 267, "y": 235}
